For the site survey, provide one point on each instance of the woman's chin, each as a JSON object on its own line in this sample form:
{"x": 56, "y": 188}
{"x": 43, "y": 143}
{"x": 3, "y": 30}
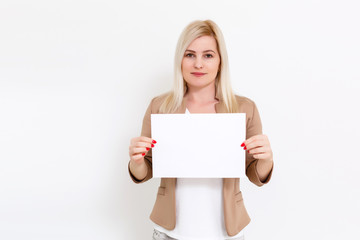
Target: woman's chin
{"x": 198, "y": 85}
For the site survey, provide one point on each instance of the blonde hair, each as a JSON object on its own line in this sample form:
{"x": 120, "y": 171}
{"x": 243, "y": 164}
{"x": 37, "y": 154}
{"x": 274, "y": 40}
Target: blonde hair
{"x": 223, "y": 88}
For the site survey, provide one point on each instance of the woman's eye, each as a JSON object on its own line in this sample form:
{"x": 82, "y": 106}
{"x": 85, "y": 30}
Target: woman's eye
{"x": 190, "y": 55}
{"x": 208, "y": 55}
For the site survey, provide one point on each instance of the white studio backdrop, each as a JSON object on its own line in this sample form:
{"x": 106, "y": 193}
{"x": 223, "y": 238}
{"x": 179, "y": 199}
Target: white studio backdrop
{"x": 77, "y": 76}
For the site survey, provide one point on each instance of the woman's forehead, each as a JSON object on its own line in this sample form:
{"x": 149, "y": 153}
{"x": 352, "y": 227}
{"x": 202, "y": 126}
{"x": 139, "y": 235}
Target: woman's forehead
{"x": 202, "y": 44}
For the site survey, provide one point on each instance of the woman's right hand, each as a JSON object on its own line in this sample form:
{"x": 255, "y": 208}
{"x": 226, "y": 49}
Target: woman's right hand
{"x": 139, "y": 146}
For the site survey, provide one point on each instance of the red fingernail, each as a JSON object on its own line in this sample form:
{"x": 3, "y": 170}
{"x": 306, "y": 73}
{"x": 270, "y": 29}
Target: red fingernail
{"x": 245, "y": 148}
{"x": 243, "y": 145}
{"x": 143, "y": 154}
{"x": 248, "y": 151}
{"x": 147, "y": 149}
{"x": 152, "y": 145}
{"x": 154, "y": 141}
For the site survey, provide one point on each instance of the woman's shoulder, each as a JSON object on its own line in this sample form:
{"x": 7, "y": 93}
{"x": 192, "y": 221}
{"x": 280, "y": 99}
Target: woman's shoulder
{"x": 243, "y": 101}
{"x": 158, "y": 100}
{"x": 248, "y": 106}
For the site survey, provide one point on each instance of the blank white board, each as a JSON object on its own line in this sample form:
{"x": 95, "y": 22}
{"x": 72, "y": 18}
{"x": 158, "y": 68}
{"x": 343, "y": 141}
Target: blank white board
{"x": 198, "y": 145}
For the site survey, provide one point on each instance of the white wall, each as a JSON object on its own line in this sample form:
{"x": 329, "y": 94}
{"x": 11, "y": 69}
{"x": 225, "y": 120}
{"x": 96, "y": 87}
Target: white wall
{"x": 77, "y": 76}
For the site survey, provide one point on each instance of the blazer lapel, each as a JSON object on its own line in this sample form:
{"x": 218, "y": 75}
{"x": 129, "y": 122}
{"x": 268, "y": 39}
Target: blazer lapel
{"x": 220, "y": 107}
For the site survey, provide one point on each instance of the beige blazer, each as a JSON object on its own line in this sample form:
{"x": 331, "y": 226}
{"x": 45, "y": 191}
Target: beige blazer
{"x": 235, "y": 214}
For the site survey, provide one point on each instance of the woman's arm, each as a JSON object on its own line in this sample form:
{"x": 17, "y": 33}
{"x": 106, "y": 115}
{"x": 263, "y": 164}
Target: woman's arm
{"x": 139, "y": 147}
{"x": 259, "y": 147}
{"x": 141, "y": 170}
{"x": 259, "y": 160}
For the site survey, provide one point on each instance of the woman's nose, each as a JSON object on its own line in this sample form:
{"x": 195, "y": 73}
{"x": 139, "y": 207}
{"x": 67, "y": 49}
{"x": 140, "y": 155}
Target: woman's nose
{"x": 198, "y": 63}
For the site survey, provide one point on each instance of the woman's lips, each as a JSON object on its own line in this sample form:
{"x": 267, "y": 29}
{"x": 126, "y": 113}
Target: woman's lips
{"x": 198, "y": 74}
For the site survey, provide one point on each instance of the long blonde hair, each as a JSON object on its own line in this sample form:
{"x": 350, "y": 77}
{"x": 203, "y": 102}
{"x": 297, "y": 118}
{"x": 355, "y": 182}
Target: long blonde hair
{"x": 223, "y": 88}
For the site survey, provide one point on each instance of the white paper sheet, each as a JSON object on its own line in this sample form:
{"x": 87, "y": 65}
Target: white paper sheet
{"x": 198, "y": 145}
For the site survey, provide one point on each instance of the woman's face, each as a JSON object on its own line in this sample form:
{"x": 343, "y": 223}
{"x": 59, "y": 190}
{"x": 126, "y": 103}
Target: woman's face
{"x": 200, "y": 63}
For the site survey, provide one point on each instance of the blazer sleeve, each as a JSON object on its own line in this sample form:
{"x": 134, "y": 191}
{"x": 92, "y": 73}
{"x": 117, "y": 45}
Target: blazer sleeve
{"x": 253, "y": 128}
{"x": 145, "y": 131}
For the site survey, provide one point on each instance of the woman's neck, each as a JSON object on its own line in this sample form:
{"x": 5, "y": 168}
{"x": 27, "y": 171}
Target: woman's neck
{"x": 201, "y": 95}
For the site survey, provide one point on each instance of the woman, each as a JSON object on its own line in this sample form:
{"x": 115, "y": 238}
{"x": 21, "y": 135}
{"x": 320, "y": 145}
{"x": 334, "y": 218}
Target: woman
{"x": 201, "y": 208}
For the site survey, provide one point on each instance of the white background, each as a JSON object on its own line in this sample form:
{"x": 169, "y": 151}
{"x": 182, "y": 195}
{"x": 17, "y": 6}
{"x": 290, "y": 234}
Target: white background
{"x": 77, "y": 76}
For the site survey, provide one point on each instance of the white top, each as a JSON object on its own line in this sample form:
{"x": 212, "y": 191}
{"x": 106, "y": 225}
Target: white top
{"x": 199, "y": 210}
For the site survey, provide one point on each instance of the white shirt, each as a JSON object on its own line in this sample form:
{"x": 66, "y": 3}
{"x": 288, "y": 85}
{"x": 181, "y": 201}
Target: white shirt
{"x": 199, "y": 210}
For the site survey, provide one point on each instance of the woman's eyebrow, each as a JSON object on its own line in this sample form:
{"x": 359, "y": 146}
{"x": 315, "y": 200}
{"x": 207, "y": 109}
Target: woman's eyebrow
{"x": 189, "y": 50}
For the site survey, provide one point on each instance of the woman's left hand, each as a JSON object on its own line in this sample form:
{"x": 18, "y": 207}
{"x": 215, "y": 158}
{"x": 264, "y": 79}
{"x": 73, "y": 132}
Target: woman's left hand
{"x": 259, "y": 147}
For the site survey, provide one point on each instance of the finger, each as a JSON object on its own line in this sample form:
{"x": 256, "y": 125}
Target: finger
{"x": 255, "y": 144}
{"x": 255, "y": 138}
{"x": 143, "y": 144}
{"x": 258, "y": 150}
{"x": 147, "y": 142}
{"x": 251, "y": 139}
{"x": 139, "y": 150}
{"x": 146, "y": 139}
{"x": 137, "y": 158}
{"x": 255, "y": 141}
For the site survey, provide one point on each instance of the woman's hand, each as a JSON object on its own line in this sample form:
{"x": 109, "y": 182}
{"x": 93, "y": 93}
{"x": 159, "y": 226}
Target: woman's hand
{"x": 259, "y": 147}
{"x": 139, "y": 146}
